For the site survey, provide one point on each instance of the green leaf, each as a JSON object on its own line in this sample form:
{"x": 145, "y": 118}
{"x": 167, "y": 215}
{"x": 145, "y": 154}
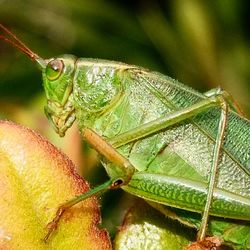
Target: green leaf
{"x": 146, "y": 228}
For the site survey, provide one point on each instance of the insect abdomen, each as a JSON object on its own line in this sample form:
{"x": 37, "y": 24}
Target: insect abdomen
{"x": 186, "y": 194}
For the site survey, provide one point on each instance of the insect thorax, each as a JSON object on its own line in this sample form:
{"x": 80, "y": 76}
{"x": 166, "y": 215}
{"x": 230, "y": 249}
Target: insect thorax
{"x": 97, "y": 88}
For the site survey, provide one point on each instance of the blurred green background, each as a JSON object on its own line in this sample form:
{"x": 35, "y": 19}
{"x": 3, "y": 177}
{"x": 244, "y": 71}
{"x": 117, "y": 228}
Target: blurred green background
{"x": 204, "y": 44}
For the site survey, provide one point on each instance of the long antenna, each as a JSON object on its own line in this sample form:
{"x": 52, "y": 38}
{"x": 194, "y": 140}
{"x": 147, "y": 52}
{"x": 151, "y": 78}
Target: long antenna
{"x": 15, "y": 42}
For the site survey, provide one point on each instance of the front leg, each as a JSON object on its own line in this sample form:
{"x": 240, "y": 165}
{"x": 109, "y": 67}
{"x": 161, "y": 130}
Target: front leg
{"x": 123, "y": 169}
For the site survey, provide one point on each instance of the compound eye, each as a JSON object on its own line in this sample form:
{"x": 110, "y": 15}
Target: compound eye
{"x": 54, "y": 69}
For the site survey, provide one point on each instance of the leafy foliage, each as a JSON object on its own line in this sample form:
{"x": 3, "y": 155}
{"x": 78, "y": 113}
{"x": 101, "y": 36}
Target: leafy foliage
{"x": 32, "y": 173}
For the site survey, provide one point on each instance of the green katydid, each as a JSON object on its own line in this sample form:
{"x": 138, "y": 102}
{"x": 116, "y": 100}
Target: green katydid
{"x": 159, "y": 139}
